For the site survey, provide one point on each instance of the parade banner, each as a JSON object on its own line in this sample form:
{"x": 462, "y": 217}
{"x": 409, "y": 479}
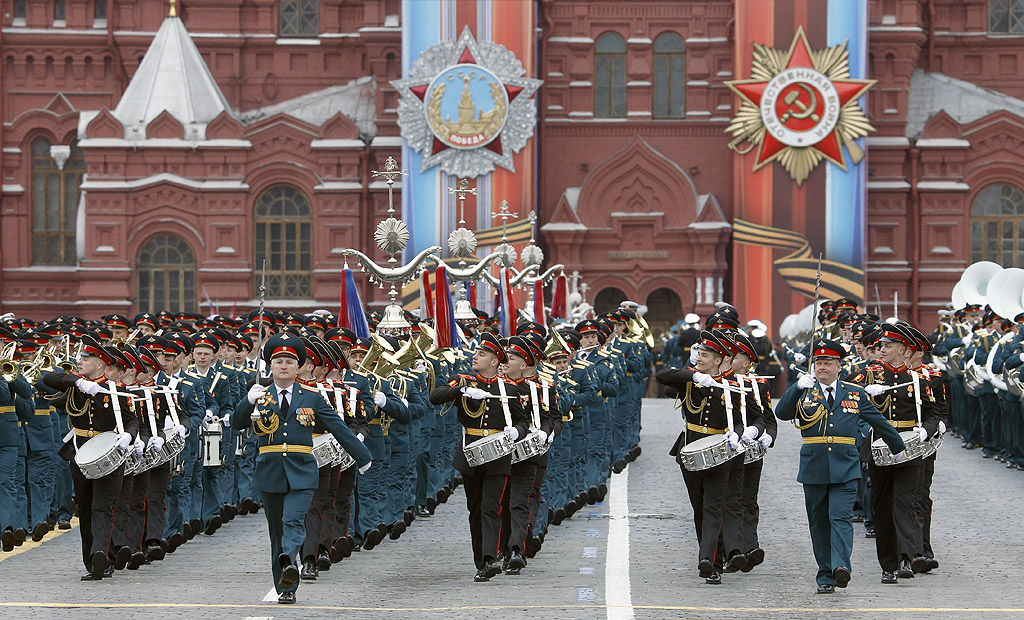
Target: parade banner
{"x": 467, "y": 110}
{"x": 799, "y": 133}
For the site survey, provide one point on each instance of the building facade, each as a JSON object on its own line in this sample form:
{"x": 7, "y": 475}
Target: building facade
{"x": 251, "y": 131}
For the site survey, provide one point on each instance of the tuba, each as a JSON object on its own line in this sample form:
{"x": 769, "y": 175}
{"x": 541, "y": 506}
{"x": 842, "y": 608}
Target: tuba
{"x": 556, "y": 345}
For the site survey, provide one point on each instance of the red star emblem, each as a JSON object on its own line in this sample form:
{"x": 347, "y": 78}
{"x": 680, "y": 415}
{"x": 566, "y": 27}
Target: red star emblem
{"x": 798, "y": 106}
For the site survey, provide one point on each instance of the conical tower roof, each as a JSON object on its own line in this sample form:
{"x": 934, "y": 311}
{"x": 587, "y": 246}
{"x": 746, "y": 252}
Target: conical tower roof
{"x": 171, "y": 77}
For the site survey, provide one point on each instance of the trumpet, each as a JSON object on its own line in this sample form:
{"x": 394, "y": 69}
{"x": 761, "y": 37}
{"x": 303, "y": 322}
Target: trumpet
{"x": 557, "y": 345}
{"x": 9, "y": 369}
{"x": 639, "y": 329}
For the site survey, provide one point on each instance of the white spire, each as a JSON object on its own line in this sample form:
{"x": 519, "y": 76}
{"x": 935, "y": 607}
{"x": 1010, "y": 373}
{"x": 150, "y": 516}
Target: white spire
{"x": 172, "y": 77}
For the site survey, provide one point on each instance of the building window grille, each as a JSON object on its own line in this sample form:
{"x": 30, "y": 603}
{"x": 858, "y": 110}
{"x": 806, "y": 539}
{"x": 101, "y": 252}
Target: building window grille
{"x": 997, "y": 225}
{"x": 669, "y": 76}
{"x": 166, "y": 273}
{"x": 298, "y": 18}
{"x": 283, "y": 237}
{"x": 1006, "y": 16}
{"x": 610, "y": 76}
{"x": 55, "y": 197}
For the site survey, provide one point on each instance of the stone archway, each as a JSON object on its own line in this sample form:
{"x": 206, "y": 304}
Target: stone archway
{"x": 608, "y": 299}
{"x": 663, "y": 309}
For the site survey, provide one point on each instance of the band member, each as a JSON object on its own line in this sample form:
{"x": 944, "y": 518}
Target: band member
{"x": 486, "y": 405}
{"x": 711, "y": 408}
{"x": 284, "y": 416}
{"x": 828, "y": 413}
{"x": 908, "y": 406}
{"x": 92, "y": 410}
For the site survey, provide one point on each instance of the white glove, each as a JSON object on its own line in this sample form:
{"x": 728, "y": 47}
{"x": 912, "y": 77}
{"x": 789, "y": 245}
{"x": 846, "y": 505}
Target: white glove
{"x": 513, "y": 432}
{"x": 180, "y": 431}
{"x": 966, "y": 340}
{"x": 1022, "y": 357}
{"x": 156, "y": 444}
{"x": 703, "y": 380}
{"x": 475, "y": 393}
{"x": 750, "y": 433}
{"x": 380, "y": 399}
{"x": 89, "y": 387}
{"x": 942, "y": 427}
{"x": 874, "y": 389}
{"x": 255, "y": 393}
{"x": 404, "y": 401}
{"x": 363, "y": 469}
{"x": 360, "y": 437}
{"x": 168, "y": 423}
{"x": 765, "y": 441}
{"x": 805, "y": 382}
{"x": 550, "y": 438}
{"x": 543, "y": 436}
{"x": 799, "y": 358}
{"x": 138, "y": 446}
{"x": 733, "y": 440}
{"x": 899, "y": 455}
{"x": 694, "y": 352}
{"x": 124, "y": 440}
{"x": 209, "y": 417}
{"x": 921, "y": 432}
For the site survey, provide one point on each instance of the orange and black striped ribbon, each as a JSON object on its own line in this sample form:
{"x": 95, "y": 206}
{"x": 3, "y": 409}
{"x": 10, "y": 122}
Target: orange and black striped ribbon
{"x": 799, "y": 268}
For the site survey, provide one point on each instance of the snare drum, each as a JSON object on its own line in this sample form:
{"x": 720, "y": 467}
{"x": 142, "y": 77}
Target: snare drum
{"x": 932, "y": 445}
{"x": 325, "y": 449}
{"x": 100, "y": 456}
{"x": 212, "y": 435}
{"x": 883, "y": 457}
{"x": 488, "y": 449}
{"x": 344, "y": 460}
{"x": 134, "y": 463}
{"x": 173, "y": 445}
{"x": 529, "y": 447}
{"x": 706, "y": 453}
{"x": 753, "y": 451}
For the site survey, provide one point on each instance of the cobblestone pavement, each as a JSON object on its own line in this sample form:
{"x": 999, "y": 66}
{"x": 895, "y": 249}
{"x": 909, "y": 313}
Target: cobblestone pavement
{"x": 633, "y": 557}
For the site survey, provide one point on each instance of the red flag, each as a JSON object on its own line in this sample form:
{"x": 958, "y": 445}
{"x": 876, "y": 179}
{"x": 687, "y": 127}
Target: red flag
{"x": 558, "y": 298}
{"x": 426, "y": 299}
{"x": 538, "y": 303}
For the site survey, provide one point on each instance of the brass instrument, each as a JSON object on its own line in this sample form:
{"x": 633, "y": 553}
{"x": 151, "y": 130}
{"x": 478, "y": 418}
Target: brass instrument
{"x": 434, "y": 352}
{"x": 1013, "y": 381}
{"x": 9, "y": 368}
{"x": 120, "y": 343}
{"x": 639, "y": 329}
{"x": 378, "y": 349}
{"x": 556, "y": 345}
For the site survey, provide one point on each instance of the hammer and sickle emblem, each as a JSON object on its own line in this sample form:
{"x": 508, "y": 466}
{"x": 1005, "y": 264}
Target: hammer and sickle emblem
{"x": 792, "y": 99}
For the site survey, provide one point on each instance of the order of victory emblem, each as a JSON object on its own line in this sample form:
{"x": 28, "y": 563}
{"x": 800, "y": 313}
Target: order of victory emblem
{"x": 466, "y": 107}
{"x": 800, "y": 107}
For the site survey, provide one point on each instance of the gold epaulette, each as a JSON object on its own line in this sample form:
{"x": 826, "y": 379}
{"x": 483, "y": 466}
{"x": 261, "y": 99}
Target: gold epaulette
{"x": 311, "y": 388}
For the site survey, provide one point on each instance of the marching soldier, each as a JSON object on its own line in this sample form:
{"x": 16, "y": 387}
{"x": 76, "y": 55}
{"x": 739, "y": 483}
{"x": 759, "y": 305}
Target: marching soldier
{"x": 828, "y": 413}
{"x": 283, "y": 416}
{"x": 486, "y": 405}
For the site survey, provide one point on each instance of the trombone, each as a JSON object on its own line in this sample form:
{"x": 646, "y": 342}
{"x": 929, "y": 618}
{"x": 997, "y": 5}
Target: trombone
{"x": 9, "y": 369}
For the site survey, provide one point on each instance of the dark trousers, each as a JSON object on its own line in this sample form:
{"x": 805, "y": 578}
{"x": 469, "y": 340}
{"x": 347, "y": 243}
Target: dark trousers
{"x": 286, "y": 522}
{"x": 749, "y": 506}
{"x": 708, "y": 491}
{"x": 40, "y": 484}
{"x": 96, "y": 500}
{"x": 536, "y": 499}
{"x": 343, "y": 502}
{"x": 989, "y": 423}
{"x": 515, "y": 506}
{"x": 315, "y": 515}
{"x": 136, "y": 516}
{"x": 830, "y": 519}
{"x": 330, "y": 509}
{"x": 894, "y": 501}
{"x": 156, "y": 502}
{"x": 924, "y": 507}
{"x": 122, "y": 509}
{"x": 483, "y": 498}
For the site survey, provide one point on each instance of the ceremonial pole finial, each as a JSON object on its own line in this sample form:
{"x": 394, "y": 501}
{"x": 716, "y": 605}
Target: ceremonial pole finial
{"x": 174, "y": 9}
{"x": 461, "y": 189}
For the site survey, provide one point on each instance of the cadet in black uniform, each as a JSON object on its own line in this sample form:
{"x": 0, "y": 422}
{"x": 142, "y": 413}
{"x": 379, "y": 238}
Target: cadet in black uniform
{"x": 481, "y": 400}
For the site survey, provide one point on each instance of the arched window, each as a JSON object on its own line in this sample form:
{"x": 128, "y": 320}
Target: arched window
{"x": 1006, "y": 16}
{"x": 610, "y": 76}
{"x": 283, "y": 230}
{"x": 54, "y": 202}
{"x": 166, "y": 275}
{"x": 298, "y": 18}
{"x": 669, "y": 76}
{"x": 663, "y": 309}
{"x": 608, "y": 299}
{"x": 997, "y": 225}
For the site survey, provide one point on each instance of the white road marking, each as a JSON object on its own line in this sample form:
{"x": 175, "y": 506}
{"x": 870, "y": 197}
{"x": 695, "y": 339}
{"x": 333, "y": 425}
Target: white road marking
{"x": 616, "y": 569}
{"x": 271, "y": 596}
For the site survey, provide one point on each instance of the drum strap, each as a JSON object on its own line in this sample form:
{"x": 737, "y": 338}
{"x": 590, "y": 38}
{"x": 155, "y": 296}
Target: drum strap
{"x": 729, "y": 407}
{"x": 743, "y": 401}
{"x": 172, "y": 407}
{"x": 917, "y": 394}
{"x": 352, "y": 402}
{"x": 504, "y": 402}
{"x": 151, "y": 412}
{"x": 338, "y": 400}
{"x": 536, "y": 404}
{"x": 115, "y": 399}
{"x": 216, "y": 378}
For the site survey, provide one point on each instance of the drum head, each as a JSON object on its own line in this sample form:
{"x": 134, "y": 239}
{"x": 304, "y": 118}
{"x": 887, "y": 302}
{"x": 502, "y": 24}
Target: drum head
{"x": 96, "y": 447}
{"x": 703, "y": 443}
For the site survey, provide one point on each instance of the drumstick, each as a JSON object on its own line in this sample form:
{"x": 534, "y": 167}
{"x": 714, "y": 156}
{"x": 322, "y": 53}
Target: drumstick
{"x": 894, "y": 387}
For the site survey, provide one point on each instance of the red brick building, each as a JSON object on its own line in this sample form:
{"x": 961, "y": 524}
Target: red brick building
{"x": 244, "y": 126}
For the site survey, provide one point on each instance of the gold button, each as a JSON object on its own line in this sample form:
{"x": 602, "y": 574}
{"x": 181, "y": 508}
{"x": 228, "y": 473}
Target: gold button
{"x": 830, "y": 448}
{"x": 830, "y": 439}
{"x": 285, "y": 434}
{"x": 831, "y": 425}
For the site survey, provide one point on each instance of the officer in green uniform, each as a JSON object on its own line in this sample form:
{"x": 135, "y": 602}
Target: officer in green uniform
{"x": 829, "y": 414}
{"x": 283, "y": 416}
